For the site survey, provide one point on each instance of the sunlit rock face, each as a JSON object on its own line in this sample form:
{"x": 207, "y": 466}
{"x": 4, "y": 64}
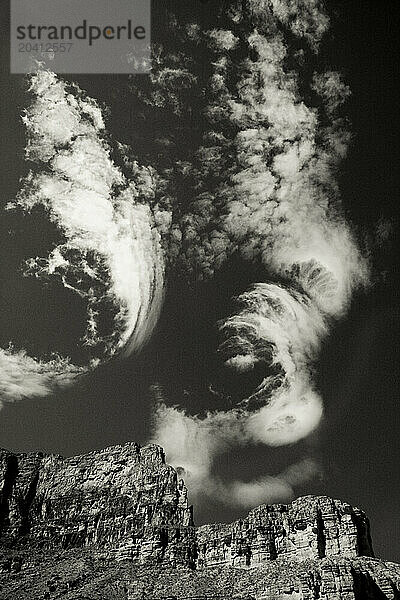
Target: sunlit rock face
{"x": 124, "y": 501}
{"x": 116, "y": 524}
{"x": 311, "y": 527}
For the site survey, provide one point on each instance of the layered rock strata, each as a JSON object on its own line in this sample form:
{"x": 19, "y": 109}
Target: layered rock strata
{"x": 310, "y": 527}
{"x": 124, "y": 501}
{"x": 116, "y": 524}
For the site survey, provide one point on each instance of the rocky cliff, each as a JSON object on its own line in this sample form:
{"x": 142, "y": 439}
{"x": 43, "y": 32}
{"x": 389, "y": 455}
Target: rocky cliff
{"x": 117, "y": 524}
{"x": 124, "y": 501}
{"x": 311, "y": 527}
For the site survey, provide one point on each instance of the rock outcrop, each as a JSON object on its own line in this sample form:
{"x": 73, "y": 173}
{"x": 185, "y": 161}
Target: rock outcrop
{"x": 117, "y": 524}
{"x": 124, "y": 501}
{"x": 310, "y": 527}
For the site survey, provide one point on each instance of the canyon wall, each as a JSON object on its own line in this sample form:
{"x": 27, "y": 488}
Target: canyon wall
{"x": 124, "y": 501}
{"x": 310, "y": 527}
{"x": 116, "y": 524}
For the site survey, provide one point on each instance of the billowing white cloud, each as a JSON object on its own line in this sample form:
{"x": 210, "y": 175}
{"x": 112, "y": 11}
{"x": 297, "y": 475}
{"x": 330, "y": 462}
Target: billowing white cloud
{"x": 278, "y": 203}
{"x": 111, "y": 251}
{"x": 193, "y": 443}
{"x": 305, "y": 18}
{"x": 25, "y": 377}
{"x": 270, "y": 489}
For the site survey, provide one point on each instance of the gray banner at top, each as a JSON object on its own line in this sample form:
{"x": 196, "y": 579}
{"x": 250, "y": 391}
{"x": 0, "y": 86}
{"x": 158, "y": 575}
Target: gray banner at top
{"x": 80, "y": 36}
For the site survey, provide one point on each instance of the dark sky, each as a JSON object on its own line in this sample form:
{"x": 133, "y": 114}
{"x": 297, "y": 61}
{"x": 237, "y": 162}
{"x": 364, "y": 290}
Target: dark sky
{"x": 358, "y": 441}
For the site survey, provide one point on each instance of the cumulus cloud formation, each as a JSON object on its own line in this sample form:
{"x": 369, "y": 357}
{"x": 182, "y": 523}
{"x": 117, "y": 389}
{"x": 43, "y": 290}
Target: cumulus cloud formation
{"x": 192, "y": 444}
{"x": 277, "y": 203}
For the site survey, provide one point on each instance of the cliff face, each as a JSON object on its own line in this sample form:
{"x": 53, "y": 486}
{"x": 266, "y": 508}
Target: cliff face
{"x": 117, "y": 524}
{"x": 124, "y": 501}
{"x": 311, "y": 527}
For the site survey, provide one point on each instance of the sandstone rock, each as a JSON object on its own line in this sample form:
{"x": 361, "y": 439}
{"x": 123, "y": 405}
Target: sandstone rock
{"x": 116, "y": 524}
{"x": 125, "y": 501}
{"x": 310, "y": 527}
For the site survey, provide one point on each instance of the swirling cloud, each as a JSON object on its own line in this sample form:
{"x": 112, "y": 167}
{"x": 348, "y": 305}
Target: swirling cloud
{"x": 253, "y": 173}
{"x": 279, "y": 136}
{"x": 110, "y": 252}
